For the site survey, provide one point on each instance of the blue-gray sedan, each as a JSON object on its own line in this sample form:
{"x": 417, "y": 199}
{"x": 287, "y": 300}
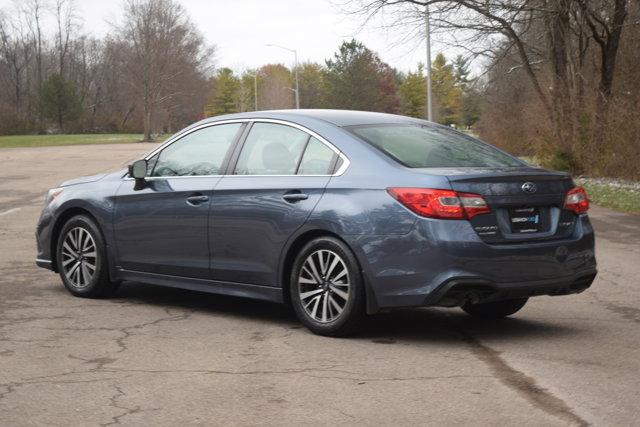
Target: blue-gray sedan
{"x": 339, "y": 213}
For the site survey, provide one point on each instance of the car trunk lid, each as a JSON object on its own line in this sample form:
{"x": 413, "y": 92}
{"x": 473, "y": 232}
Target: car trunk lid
{"x": 526, "y": 202}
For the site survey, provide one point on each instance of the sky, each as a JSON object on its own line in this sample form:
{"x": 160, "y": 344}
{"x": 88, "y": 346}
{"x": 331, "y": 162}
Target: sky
{"x": 240, "y": 29}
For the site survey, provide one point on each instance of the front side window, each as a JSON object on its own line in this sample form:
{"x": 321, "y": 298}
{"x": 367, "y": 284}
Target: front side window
{"x": 271, "y": 149}
{"x": 433, "y": 147}
{"x": 201, "y": 152}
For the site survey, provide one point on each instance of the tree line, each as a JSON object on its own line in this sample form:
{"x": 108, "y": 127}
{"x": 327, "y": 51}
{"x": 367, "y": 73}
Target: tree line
{"x": 561, "y": 78}
{"x": 147, "y": 74}
{"x": 153, "y": 72}
{"x": 355, "y": 78}
{"x": 558, "y": 80}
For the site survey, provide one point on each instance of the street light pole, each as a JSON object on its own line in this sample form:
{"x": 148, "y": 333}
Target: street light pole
{"x": 295, "y": 57}
{"x": 255, "y": 90}
{"x": 428, "y": 40}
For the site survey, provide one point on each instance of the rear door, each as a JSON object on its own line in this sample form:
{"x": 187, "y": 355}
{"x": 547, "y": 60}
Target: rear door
{"x": 162, "y": 227}
{"x": 275, "y": 180}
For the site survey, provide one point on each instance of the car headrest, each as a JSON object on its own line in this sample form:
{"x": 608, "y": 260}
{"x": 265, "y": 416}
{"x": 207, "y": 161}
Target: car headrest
{"x": 276, "y": 157}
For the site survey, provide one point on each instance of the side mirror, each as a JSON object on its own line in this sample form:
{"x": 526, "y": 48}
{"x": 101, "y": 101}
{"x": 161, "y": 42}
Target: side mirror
{"x": 138, "y": 169}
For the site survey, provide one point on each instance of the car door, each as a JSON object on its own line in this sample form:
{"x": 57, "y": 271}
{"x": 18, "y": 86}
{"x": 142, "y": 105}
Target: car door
{"x": 162, "y": 227}
{"x": 275, "y": 180}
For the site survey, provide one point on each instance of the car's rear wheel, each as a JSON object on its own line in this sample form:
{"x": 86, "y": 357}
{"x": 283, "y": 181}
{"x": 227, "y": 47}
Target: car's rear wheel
{"x": 495, "y": 309}
{"x": 82, "y": 259}
{"x": 326, "y": 288}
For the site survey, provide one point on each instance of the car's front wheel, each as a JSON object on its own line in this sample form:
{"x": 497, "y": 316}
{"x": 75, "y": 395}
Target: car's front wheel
{"x": 495, "y": 309}
{"x": 82, "y": 259}
{"x": 326, "y": 287}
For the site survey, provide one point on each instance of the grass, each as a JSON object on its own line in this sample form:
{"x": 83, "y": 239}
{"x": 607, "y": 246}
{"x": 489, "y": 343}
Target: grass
{"x": 608, "y": 196}
{"x": 620, "y": 199}
{"x": 76, "y": 139}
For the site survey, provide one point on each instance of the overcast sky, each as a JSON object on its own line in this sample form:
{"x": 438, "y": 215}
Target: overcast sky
{"x": 240, "y": 29}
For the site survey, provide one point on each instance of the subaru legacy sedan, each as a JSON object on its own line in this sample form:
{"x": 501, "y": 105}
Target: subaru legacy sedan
{"x": 337, "y": 213}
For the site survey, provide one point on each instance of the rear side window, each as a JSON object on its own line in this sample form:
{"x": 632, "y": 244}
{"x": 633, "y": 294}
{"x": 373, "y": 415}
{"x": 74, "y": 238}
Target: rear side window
{"x": 271, "y": 149}
{"x": 201, "y": 152}
{"x": 317, "y": 159}
{"x": 432, "y": 147}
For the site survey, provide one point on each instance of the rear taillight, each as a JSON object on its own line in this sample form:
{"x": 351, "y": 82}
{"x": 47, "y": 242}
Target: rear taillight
{"x": 446, "y": 204}
{"x": 577, "y": 200}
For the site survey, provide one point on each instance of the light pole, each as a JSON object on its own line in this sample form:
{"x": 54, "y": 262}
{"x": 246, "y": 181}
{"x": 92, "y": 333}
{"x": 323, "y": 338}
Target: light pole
{"x": 295, "y": 57}
{"x": 255, "y": 90}
{"x": 428, "y": 39}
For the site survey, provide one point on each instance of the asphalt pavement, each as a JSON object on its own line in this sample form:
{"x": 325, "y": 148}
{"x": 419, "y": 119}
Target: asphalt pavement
{"x": 159, "y": 356}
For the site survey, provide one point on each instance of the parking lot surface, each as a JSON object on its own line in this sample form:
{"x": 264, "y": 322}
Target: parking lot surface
{"x": 159, "y": 356}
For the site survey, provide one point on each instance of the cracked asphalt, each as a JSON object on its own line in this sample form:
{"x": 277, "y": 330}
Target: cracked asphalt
{"x": 159, "y": 356}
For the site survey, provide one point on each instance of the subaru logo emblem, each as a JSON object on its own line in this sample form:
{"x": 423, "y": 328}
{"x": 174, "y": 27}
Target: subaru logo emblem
{"x": 529, "y": 187}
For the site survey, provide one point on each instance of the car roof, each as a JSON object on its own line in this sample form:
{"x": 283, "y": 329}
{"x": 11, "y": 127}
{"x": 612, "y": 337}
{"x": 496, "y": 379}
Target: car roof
{"x": 336, "y": 117}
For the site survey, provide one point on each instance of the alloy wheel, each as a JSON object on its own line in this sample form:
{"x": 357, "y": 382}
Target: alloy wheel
{"x": 324, "y": 285}
{"x": 79, "y": 257}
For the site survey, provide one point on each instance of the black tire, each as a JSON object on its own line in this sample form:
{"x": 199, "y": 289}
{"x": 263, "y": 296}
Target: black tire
{"x": 496, "y": 309}
{"x": 96, "y": 284}
{"x": 331, "y": 291}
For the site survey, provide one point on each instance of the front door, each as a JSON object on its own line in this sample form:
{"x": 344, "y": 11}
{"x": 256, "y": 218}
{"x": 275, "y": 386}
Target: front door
{"x": 162, "y": 227}
{"x": 278, "y": 179}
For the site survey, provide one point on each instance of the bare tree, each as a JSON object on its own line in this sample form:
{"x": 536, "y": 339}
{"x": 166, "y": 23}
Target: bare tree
{"x": 33, "y": 12}
{"x": 164, "y": 46}
{"x": 153, "y": 69}
{"x": 477, "y": 23}
{"x": 606, "y": 22}
{"x": 15, "y": 53}
{"x": 275, "y": 87}
{"x": 66, "y": 26}
{"x": 512, "y": 31}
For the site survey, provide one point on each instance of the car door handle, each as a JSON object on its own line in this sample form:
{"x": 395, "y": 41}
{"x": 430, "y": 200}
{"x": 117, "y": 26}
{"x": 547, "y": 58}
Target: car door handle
{"x": 197, "y": 199}
{"x": 295, "y": 197}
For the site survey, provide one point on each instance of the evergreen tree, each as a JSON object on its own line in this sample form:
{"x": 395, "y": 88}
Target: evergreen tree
{"x": 224, "y": 95}
{"x": 461, "y": 71}
{"x": 358, "y": 80}
{"x": 312, "y": 85}
{"x": 471, "y": 107}
{"x": 413, "y": 93}
{"x": 470, "y": 98}
{"x": 446, "y": 92}
{"x": 60, "y": 101}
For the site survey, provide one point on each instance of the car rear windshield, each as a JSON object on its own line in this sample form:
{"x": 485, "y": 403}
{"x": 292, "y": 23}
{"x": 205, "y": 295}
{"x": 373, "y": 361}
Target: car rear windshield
{"x": 432, "y": 147}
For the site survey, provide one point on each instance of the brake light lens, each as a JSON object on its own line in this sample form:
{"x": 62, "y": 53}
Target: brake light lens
{"x": 444, "y": 204}
{"x": 577, "y": 200}
{"x": 473, "y": 204}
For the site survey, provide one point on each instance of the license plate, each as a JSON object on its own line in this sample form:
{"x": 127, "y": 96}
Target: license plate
{"x": 525, "y": 220}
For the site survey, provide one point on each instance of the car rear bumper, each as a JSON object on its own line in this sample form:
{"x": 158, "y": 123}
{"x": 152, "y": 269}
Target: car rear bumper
{"x": 443, "y": 262}
{"x": 457, "y": 292}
